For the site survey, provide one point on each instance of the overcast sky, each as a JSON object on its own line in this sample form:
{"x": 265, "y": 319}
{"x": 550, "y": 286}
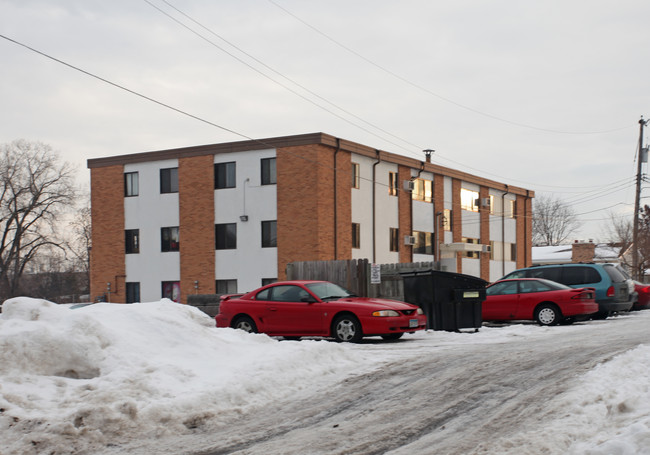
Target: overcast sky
{"x": 541, "y": 95}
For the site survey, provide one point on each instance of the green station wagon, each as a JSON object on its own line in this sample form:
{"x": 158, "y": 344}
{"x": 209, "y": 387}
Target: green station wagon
{"x": 613, "y": 291}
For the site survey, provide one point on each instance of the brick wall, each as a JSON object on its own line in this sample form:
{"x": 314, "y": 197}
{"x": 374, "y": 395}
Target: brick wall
{"x": 439, "y": 204}
{"x": 457, "y": 219}
{"x": 107, "y": 257}
{"x": 196, "y": 213}
{"x": 305, "y": 200}
{"x": 484, "y": 193}
{"x": 405, "y": 207}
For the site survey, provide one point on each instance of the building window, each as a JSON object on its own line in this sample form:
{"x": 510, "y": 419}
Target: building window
{"x": 500, "y": 251}
{"x": 356, "y": 177}
{"x": 268, "y": 171}
{"x": 131, "y": 187}
{"x": 269, "y": 234}
{"x": 356, "y": 235}
{"x": 266, "y": 281}
{"x": 169, "y": 180}
{"x": 470, "y": 254}
{"x": 422, "y": 190}
{"x": 132, "y": 241}
{"x": 169, "y": 239}
{"x": 226, "y": 286}
{"x": 512, "y": 205}
{"x": 132, "y": 292}
{"x": 224, "y": 175}
{"x": 171, "y": 290}
{"x": 468, "y": 200}
{"x": 446, "y": 220}
{"x": 225, "y": 236}
{"x": 423, "y": 242}
{"x": 394, "y": 239}
{"x": 492, "y": 207}
{"x": 392, "y": 183}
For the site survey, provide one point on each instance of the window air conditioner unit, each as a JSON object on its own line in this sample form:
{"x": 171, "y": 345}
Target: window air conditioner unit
{"x": 409, "y": 185}
{"x": 409, "y": 240}
{"x": 482, "y": 202}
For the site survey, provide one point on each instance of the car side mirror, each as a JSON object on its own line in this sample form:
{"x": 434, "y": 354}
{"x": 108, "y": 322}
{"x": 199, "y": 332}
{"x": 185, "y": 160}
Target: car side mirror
{"x": 308, "y": 299}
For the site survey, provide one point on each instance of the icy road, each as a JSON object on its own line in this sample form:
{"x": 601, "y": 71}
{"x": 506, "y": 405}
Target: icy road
{"x": 521, "y": 394}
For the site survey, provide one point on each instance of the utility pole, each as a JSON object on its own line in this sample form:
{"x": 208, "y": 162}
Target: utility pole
{"x": 637, "y": 204}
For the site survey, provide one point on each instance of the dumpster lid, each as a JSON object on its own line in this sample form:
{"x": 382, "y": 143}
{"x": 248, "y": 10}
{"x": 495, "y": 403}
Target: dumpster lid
{"x": 448, "y": 275}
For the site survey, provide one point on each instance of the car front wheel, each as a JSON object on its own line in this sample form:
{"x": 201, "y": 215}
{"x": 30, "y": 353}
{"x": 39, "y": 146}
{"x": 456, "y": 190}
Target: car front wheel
{"x": 245, "y": 323}
{"x": 547, "y": 314}
{"x": 347, "y": 328}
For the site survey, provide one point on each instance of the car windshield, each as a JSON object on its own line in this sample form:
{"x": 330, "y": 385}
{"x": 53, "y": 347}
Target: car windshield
{"x": 325, "y": 290}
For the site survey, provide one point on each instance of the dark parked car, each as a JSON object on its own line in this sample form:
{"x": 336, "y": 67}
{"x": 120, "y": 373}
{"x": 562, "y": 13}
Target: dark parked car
{"x": 613, "y": 291}
{"x": 547, "y": 302}
{"x": 294, "y": 309}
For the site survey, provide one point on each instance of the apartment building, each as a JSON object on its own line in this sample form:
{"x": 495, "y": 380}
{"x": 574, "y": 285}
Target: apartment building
{"x": 229, "y": 217}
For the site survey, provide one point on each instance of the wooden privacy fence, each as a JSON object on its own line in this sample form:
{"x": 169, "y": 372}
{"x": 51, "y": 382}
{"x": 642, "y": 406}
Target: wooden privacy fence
{"x": 355, "y": 275}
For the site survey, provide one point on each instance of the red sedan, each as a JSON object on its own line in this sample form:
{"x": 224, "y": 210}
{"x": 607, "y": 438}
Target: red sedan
{"x": 544, "y": 301}
{"x": 294, "y": 309}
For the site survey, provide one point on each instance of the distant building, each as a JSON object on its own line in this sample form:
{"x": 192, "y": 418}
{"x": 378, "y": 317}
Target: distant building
{"x": 230, "y": 217}
{"x": 575, "y": 252}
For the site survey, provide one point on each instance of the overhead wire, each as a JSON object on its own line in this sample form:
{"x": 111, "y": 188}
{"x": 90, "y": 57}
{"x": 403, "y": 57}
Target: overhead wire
{"x": 430, "y": 92}
{"x": 311, "y": 92}
{"x": 280, "y": 83}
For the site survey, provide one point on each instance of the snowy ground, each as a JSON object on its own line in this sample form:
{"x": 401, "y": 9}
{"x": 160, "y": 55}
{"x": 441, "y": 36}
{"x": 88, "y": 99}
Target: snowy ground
{"x": 79, "y": 380}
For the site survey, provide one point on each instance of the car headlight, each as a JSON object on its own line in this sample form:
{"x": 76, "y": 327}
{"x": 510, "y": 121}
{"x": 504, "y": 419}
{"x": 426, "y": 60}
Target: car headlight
{"x": 385, "y": 313}
{"x": 419, "y": 311}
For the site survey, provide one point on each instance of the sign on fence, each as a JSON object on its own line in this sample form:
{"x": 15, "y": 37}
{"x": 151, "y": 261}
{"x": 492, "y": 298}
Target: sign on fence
{"x": 375, "y": 273}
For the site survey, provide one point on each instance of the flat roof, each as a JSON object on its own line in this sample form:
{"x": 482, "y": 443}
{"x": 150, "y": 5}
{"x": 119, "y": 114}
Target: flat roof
{"x": 300, "y": 140}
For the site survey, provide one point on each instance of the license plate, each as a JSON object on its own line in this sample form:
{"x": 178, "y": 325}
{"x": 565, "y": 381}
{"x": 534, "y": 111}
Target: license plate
{"x": 413, "y": 322}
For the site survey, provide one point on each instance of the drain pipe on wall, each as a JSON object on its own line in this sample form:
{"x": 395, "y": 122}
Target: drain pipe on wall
{"x": 503, "y": 231}
{"x": 336, "y": 151}
{"x": 374, "y": 202}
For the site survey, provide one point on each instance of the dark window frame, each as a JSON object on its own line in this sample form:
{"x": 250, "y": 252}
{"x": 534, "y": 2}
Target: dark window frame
{"x": 223, "y": 178}
{"x": 169, "y": 180}
{"x": 131, "y": 189}
{"x": 269, "y": 234}
{"x": 167, "y": 244}
{"x": 133, "y": 292}
{"x": 356, "y": 235}
{"x": 227, "y": 284}
{"x": 268, "y": 171}
{"x": 132, "y": 241}
{"x": 394, "y": 240}
{"x": 223, "y": 239}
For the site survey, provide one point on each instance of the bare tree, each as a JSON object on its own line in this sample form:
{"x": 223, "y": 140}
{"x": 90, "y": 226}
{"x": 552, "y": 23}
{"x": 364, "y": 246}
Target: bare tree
{"x": 80, "y": 243}
{"x": 553, "y": 221}
{"x": 35, "y": 188}
{"x": 619, "y": 233}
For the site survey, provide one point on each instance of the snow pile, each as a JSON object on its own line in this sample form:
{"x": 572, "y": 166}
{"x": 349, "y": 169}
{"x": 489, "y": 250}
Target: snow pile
{"x": 606, "y": 412}
{"x": 71, "y": 379}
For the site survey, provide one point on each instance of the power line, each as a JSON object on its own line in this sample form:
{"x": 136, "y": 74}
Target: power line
{"x": 437, "y": 95}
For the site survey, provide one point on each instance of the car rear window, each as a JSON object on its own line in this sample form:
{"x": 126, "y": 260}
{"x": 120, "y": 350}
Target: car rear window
{"x": 614, "y": 274}
{"x": 580, "y": 275}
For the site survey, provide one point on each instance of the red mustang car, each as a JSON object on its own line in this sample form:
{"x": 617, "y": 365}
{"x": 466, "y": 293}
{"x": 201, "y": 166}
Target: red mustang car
{"x": 294, "y": 309}
{"x": 544, "y": 301}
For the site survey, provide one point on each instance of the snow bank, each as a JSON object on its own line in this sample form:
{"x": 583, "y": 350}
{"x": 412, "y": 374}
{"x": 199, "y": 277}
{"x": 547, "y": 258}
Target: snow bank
{"x": 74, "y": 378}
{"x": 607, "y": 412}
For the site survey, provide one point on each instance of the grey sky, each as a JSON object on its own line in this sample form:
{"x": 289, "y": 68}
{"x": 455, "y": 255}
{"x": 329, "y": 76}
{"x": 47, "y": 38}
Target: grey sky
{"x": 543, "y": 95}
